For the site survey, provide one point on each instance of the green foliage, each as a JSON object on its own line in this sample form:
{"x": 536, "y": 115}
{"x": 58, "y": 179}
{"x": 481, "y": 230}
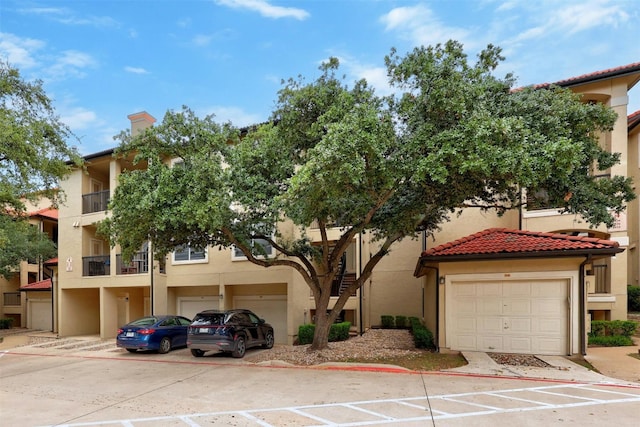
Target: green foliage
{"x": 6, "y": 323}
{"x": 610, "y": 340}
{"x": 454, "y": 135}
{"x": 34, "y": 156}
{"x": 401, "y": 322}
{"x": 387, "y": 321}
{"x": 633, "y": 298}
{"x": 20, "y": 241}
{"x": 338, "y": 332}
{"x": 305, "y": 333}
{"x": 422, "y": 336}
{"x": 600, "y": 328}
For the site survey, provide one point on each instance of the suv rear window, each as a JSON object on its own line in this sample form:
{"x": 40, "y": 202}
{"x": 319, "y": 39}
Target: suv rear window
{"x": 208, "y": 319}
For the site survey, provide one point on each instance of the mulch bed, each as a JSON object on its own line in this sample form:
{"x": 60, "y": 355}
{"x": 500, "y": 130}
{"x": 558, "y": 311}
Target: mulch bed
{"x": 518, "y": 360}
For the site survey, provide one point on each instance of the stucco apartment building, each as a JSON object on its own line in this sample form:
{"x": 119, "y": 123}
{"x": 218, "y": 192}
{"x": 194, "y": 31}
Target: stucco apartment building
{"x": 538, "y": 302}
{"x": 26, "y": 296}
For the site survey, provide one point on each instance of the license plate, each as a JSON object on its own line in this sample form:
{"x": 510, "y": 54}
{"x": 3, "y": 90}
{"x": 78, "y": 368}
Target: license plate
{"x": 130, "y": 334}
{"x": 203, "y": 330}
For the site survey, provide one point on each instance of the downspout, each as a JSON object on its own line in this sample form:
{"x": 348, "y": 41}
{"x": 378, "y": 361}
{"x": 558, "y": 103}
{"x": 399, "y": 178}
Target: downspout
{"x": 53, "y": 298}
{"x": 582, "y": 306}
{"x": 360, "y": 317}
{"x": 436, "y": 333}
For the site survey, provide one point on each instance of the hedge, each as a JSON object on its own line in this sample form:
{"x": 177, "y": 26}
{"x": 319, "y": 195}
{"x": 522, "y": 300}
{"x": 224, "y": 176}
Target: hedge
{"x": 6, "y": 323}
{"x": 388, "y": 322}
{"x": 625, "y": 328}
{"x": 338, "y": 332}
{"x": 633, "y": 298}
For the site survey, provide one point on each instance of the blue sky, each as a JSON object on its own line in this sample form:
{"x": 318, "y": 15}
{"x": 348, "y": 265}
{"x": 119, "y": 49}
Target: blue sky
{"x": 101, "y": 60}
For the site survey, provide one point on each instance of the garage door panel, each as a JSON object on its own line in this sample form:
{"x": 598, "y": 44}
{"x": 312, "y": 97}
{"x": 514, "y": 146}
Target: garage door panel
{"x": 489, "y": 289}
{"x": 519, "y": 345}
{"x": 490, "y": 325}
{"x": 272, "y": 308}
{"x": 466, "y": 342}
{"x": 489, "y": 306}
{"x": 190, "y": 306}
{"x": 512, "y": 316}
{"x": 466, "y": 325}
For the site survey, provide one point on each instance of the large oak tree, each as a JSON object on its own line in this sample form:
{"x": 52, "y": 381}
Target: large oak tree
{"x": 34, "y": 156}
{"x": 454, "y": 136}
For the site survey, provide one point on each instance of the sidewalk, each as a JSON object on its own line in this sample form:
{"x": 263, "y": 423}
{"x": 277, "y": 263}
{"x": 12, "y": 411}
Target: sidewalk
{"x": 615, "y": 362}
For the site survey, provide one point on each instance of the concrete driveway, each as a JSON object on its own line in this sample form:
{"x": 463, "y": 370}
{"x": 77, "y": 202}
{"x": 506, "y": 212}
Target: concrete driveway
{"x": 91, "y": 383}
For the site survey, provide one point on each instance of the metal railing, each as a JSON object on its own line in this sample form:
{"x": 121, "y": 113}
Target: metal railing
{"x": 138, "y": 264}
{"x": 11, "y": 299}
{"x": 95, "y": 202}
{"x": 602, "y": 279}
{"x": 96, "y": 265}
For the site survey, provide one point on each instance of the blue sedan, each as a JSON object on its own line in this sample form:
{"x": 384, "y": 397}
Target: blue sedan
{"x": 161, "y": 333}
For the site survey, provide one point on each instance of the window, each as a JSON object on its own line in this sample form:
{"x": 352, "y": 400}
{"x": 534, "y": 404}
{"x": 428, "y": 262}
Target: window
{"x": 187, "y": 254}
{"x": 238, "y": 255}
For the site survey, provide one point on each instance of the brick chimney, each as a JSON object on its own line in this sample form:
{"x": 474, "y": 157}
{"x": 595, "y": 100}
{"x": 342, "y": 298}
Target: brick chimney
{"x": 140, "y": 121}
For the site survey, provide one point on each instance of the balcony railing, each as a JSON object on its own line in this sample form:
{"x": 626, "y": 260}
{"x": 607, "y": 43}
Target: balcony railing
{"x": 11, "y": 299}
{"x": 95, "y": 202}
{"x": 602, "y": 279}
{"x": 139, "y": 264}
{"x": 96, "y": 265}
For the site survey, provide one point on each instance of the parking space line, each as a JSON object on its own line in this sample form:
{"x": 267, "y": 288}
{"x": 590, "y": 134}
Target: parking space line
{"x": 570, "y": 391}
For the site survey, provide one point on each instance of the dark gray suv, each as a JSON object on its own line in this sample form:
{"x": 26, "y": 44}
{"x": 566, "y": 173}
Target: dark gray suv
{"x": 232, "y": 331}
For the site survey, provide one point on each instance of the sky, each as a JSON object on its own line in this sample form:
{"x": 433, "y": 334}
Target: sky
{"x": 101, "y": 60}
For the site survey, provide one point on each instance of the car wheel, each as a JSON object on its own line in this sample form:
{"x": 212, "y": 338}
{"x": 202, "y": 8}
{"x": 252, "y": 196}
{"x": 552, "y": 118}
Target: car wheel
{"x": 268, "y": 341}
{"x": 165, "y": 345}
{"x": 131, "y": 350}
{"x": 240, "y": 349}
{"x": 196, "y": 352}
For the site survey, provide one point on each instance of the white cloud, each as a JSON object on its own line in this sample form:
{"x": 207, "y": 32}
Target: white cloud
{"x": 68, "y": 17}
{"x": 202, "y": 40}
{"x": 419, "y": 25}
{"x": 78, "y": 118}
{"x": 265, "y": 9}
{"x": 70, "y": 64}
{"x": 136, "y": 70}
{"x": 19, "y": 51}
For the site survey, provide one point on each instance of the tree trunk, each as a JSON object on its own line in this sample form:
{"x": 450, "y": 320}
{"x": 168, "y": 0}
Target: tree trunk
{"x": 322, "y": 322}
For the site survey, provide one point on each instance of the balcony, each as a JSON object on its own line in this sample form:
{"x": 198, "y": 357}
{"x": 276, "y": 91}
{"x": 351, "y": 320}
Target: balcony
{"x": 139, "y": 264}
{"x": 96, "y": 265}
{"x": 95, "y": 202}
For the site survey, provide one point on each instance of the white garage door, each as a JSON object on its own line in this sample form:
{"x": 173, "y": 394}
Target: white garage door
{"x": 272, "y": 308}
{"x": 190, "y": 306}
{"x": 39, "y": 314}
{"x": 514, "y": 316}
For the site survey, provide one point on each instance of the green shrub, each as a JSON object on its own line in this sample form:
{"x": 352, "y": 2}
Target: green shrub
{"x": 633, "y": 298}
{"x": 610, "y": 340}
{"x": 422, "y": 337}
{"x": 624, "y": 328}
{"x": 388, "y": 322}
{"x": 401, "y": 322}
{"x": 338, "y": 332}
{"x": 305, "y": 333}
{"x": 6, "y": 323}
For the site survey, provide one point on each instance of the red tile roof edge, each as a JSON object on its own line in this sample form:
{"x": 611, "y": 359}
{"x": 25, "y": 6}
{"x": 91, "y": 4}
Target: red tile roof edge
{"x": 42, "y": 285}
{"x": 46, "y": 212}
{"x": 584, "y": 78}
{"x": 633, "y": 120}
{"x": 589, "y": 240}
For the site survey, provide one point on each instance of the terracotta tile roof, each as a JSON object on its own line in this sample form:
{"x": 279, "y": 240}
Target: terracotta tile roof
{"x": 500, "y": 242}
{"x": 47, "y": 213}
{"x": 43, "y": 285}
{"x": 595, "y": 76}
{"x": 52, "y": 261}
{"x": 633, "y": 120}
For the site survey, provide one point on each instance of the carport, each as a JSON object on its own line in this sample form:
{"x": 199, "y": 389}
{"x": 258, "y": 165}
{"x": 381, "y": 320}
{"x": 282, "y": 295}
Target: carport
{"x": 512, "y": 291}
